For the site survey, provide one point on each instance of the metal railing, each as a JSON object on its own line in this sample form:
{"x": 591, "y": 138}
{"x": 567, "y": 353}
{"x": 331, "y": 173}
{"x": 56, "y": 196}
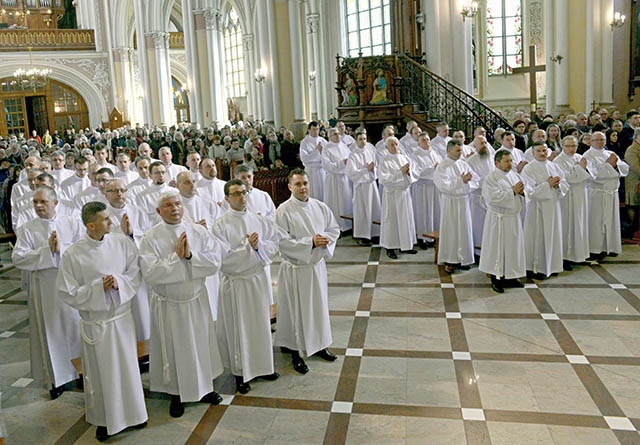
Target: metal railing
{"x": 440, "y": 100}
{"x": 47, "y": 40}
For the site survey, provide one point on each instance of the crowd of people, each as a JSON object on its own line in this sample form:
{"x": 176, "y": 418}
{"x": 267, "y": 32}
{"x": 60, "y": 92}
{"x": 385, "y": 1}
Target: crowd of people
{"x": 116, "y": 253}
{"x": 131, "y": 235}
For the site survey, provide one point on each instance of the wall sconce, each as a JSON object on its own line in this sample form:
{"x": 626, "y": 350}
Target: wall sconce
{"x": 259, "y": 75}
{"x": 470, "y": 10}
{"x": 420, "y": 21}
{"x": 617, "y": 21}
{"x": 312, "y": 76}
{"x": 556, "y": 58}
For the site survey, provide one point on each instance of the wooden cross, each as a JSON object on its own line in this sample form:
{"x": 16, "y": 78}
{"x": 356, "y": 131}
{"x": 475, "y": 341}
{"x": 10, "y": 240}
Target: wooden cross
{"x": 532, "y": 69}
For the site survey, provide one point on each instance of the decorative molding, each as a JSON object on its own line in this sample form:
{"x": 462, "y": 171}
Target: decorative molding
{"x": 97, "y": 70}
{"x": 536, "y": 28}
{"x": 122, "y": 54}
{"x": 160, "y": 39}
{"x": 247, "y": 42}
{"x": 213, "y": 19}
{"x": 313, "y": 20}
{"x": 178, "y": 57}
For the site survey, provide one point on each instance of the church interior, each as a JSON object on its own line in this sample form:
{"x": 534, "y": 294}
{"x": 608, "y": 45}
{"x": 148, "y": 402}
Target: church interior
{"x": 424, "y": 356}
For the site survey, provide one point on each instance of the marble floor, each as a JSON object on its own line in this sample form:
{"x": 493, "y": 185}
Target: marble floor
{"x": 424, "y": 357}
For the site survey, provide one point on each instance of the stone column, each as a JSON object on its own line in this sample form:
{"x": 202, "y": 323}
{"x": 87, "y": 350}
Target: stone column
{"x": 561, "y": 69}
{"x": 192, "y": 61}
{"x": 144, "y": 91}
{"x": 213, "y": 21}
{"x": 250, "y": 68}
{"x": 312, "y": 21}
{"x": 297, "y": 66}
{"x": 590, "y": 53}
{"x": 124, "y": 82}
{"x": 462, "y": 72}
{"x": 606, "y": 53}
{"x": 273, "y": 85}
{"x": 160, "y": 77}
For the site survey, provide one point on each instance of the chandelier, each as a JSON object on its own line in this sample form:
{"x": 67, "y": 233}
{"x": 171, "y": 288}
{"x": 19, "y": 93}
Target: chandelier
{"x": 31, "y": 78}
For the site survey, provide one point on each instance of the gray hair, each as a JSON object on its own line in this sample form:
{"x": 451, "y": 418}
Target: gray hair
{"x": 173, "y": 193}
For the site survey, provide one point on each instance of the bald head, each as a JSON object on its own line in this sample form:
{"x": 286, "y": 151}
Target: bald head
{"x": 186, "y": 183}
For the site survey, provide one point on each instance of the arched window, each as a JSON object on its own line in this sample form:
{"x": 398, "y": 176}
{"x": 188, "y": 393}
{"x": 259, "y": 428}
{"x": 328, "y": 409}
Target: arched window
{"x": 234, "y": 56}
{"x": 368, "y": 27}
{"x": 504, "y": 36}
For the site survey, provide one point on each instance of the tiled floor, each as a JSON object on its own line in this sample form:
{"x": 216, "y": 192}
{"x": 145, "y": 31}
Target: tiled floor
{"x": 424, "y": 358}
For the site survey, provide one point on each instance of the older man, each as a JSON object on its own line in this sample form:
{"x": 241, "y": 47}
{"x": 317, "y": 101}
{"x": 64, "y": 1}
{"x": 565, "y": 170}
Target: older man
{"x": 337, "y": 188}
{"x": 545, "y": 186}
{"x": 424, "y": 194}
{"x": 303, "y": 306}
{"x": 482, "y": 163}
{"x": 54, "y": 338}
{"x": 99, "y": 276}
{"x": 361, "y": 170}
{"x": 397, "y": 227}
{"x": 175, "y": 259}
{"x": 127, "y": 219}
{"x": 249, "y": 243}
{"x": 604, "y": 210}
{"x": 575, "y": 214}
{"x": 311, "y": 156}
{"x": 57, "y": 167}
{"x": 455, "y": 180}
{"x": 502, "y": 255}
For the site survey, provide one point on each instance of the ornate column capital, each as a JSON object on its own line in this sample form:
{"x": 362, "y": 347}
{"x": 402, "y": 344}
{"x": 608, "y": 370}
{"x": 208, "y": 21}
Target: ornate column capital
{"x": 247, "y": 42}
{"x": 213, "y": 19}
{"x": 160, "y": 39}
{"x": 312, "y": 23}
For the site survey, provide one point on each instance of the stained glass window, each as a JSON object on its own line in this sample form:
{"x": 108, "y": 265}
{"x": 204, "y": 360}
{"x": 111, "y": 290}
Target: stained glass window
{"x": 368, "y": 27}
{"x": 234, "y": 56}
{"x": 504, "y": 36}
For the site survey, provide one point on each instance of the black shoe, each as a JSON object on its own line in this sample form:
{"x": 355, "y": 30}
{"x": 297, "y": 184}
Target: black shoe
{"x": 497, "y": 285}
{"x": 270, "y": 377}
{"x": 538, "y": 276}
{"x": 287, "y": 350}
{"x": 597, "y": 256}
{"x": 422, "y": 244}
{"x": 566, "y": 265}
{"x": 176, "y": 408}
{"x": 391, "y": 253}
{"x": 612, "y": 254}
{"x": 241, "y": 386}
{"x": 298, "y": 364}
{"x": 101, "y": 433}
{"x": 463, "y": 267}
{"x": 364, "y": 242}
{"x": 139, "y": 426}
{"x": 410, "y": 251}
{"x": 56, "y": 392}
{"x": 327, "y": 355}
{"x": 80, "y": 383}
{"x": 514, "y": 282}
{"x": 213, "y": 398}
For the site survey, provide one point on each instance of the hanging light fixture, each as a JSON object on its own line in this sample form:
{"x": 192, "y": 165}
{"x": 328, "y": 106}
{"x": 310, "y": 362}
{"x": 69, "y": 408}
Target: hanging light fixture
{"x": 31, "y": 78}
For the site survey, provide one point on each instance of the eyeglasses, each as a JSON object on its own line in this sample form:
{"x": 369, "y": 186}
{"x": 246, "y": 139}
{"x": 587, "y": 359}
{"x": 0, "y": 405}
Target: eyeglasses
{"x": 236, "y": 194}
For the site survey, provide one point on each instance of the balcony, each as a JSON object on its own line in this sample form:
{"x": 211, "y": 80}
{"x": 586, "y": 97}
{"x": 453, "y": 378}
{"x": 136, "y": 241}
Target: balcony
{"x": 47, "y": 40}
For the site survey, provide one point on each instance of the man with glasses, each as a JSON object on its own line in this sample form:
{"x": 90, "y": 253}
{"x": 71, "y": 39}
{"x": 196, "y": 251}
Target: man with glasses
{"x": 127, "y": 219}
{"x": 575, "y": 215}
{"x": 249, "y": 243}
{"x": 606, "y": 170}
